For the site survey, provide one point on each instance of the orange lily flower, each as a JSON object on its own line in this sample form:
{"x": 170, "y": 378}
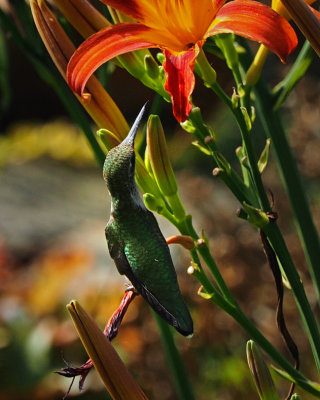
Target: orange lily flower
{"x": 179, "y": 28}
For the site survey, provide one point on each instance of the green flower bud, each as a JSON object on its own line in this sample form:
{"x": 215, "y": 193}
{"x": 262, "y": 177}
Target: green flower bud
{"x": 256, "y": 217}
{"x": 246, "y": 117}
{"x": 144, "y": 180}
{"x": 263, "y": 160}
{"x": 160, "y": 57}
{"x": 159, "y": 159}
{"x": 153, "y": 203}
{"x": 260, "y": 373}
{"x": 196, "y": 125}
{"x": 108, "y": 138}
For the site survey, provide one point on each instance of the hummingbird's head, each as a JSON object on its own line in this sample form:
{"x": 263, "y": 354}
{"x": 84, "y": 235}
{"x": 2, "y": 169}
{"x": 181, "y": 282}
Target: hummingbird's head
{"x": 118, "y": 170}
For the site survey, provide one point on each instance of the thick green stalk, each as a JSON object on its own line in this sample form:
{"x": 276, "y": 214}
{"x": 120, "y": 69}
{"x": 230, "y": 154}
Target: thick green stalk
{"x": 256, "y": 176}
{"x": 292, "y": 181}
{"x": 178, "y": 369}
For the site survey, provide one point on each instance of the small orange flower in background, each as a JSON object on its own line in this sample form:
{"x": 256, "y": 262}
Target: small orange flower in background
{"x": 179, "y": 28}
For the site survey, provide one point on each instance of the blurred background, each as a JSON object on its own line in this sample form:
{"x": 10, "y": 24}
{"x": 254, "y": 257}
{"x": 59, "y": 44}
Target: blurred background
{"x": 54, "y": 208}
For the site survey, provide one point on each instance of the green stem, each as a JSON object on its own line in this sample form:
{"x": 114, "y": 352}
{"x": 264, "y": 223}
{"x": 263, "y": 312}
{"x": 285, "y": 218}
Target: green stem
{"x": 176, "y": 364}
{"x": 264, "y": 202}
{"x": 256, "y": 176}
{"x": 292, "y": 181}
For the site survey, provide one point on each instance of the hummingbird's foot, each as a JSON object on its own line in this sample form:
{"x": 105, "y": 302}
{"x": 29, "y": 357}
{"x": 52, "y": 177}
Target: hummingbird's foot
{"x": 110, "y": 331}
{"x": 184, "y": 240}
{"x": 72, "y": 372}
{"x": 112, "y": 327}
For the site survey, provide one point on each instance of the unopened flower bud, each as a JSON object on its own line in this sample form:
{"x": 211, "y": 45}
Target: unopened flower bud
{"x": 160, "y": 57}
{"x": 108, "y": 364}
{"x": 83, "y": 16}
{"x": 197, "y": 127}
{"x": 159, "y": 159}
{"x": 246, "y": 118}
{"x": 256, "y": 217}
{"x": 101, "y": 106}
{"x": 153, "y": 203}
{"x": 260, "y": 373}
{"x": 108, "y": 138}
{"x": 144, "y": 180}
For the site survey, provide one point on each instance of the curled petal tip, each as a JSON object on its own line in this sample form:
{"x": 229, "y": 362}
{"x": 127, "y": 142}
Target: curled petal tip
{"x": 86, "y": 98}
{"x": 258, "y": 22}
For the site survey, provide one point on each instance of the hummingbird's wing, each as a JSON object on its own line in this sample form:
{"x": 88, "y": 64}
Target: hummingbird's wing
{"x": 126, "y": 249}
{"x": 123, "y": 264}
{"x": 117, "y": 252}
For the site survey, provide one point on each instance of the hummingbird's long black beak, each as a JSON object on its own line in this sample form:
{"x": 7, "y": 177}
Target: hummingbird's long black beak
{"x": 134, "y": 129}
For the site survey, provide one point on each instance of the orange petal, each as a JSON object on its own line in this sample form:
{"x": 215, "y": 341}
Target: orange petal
{"x": 101, "y": 47}
{"x": 257, "y": 22}
{"x": 180, "y": 81}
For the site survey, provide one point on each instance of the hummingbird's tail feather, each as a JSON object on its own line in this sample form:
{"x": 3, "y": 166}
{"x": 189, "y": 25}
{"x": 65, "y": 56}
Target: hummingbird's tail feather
{"x": 182, "y": 323}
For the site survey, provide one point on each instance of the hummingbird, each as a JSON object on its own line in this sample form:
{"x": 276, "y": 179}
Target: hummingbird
{"x": 135, "y": 241}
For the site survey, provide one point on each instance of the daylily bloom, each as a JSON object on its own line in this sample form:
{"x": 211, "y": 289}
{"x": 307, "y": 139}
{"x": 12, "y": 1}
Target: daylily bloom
{"x": 179, "y": 28}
